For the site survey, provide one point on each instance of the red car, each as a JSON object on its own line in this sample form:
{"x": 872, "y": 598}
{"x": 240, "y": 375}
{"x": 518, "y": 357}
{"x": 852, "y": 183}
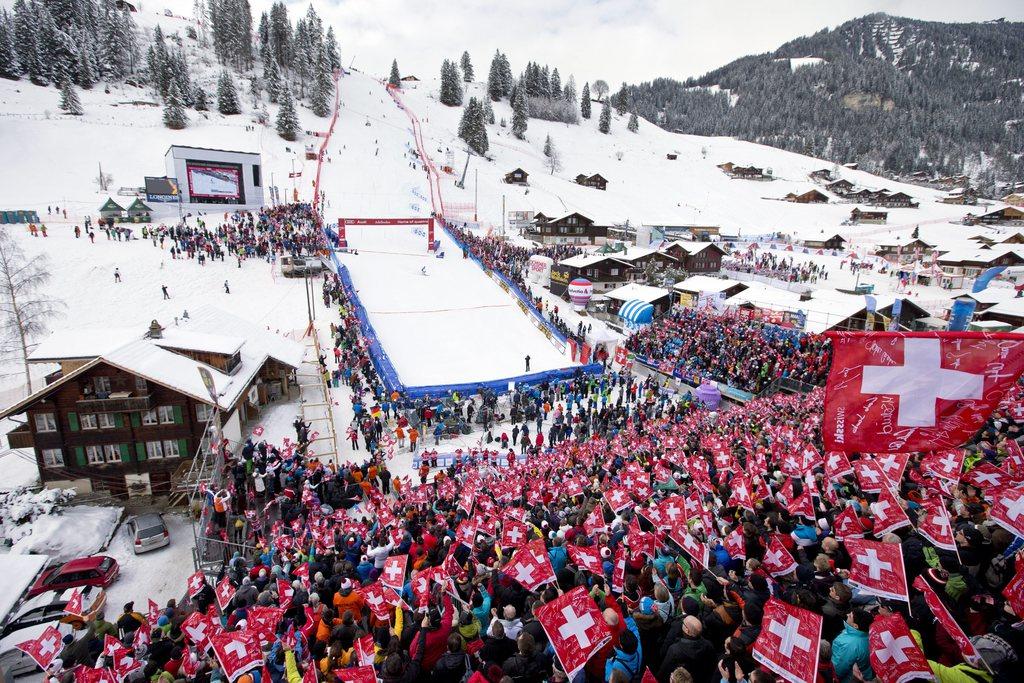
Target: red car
{"x": 97, "y": 570}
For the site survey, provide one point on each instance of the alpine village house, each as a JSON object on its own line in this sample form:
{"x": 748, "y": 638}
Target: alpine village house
{"x": 129, "y": 407}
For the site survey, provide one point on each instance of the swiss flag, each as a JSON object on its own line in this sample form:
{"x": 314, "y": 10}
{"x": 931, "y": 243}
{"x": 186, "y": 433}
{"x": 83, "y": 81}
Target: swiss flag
{"x": 777, "y": 560}
{"x": 947, "y": 621}
{"x": 673, "y": 511}
{"x": 74, "y": 606}
{"x": 986, "y": 476}
{"x": 225, "y": 591}
{"x": 802, "y": 506}
{"x": 894, "y": 655}
{"x": 153, "y": 613}
{"x": 285, "y": 593}
{"x": 196, "y": 583}
{"x": 945, "y": 464}
{"x": 379, "y": 599}
{"x": 735, "y": 544}
{"x": 87, "y": 674}
{"x": 356, "y": 674}
{"x": 888, "y": 513}
{"x": 870, "y": 476}
{"x": 595, "y": 521}
{"x": 933, "y": 524}
{"x": 513, "y": 533}
{"x": 393, "y": 574}
{"x": 847, "y": 525}
{"x": 575, "y": 627}
{"x": 789, "y": 641}
{"x": 198, "y": 628}
{"x": 1014, "y": 591}
{"x": 694, "y": 548}
{"x": 189, "y": 663}
{"x": 891, "y": 392}
{"x": 877, "y": 568}
{"x": 43, "y": 649}
{"x": 893, "y": 465}
{"x": 530, "y": 566}
{"x": 618, "y": 498}
{"x": 1008, "y": 510}
{"x": 837, "y": 465}
{"x": 237, "y": 652}
{"x": 365, "y": 650}
{"x": 586, "y": 557}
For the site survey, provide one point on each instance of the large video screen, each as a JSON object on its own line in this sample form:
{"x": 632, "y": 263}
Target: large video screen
{"x": 215, "y": 182}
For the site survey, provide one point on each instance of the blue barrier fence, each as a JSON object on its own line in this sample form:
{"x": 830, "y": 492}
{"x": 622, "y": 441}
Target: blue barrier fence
{"x": 386, "y": 369}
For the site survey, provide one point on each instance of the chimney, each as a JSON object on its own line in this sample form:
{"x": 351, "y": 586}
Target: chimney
{"x": 155, "y": 331}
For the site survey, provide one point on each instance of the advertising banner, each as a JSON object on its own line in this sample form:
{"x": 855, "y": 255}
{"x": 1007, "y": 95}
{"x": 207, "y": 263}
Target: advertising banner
{"x": 560, "y": 277}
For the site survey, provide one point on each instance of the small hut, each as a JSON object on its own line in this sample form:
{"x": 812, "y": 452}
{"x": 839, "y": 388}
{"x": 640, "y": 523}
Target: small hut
{"x": 139, "y": 212}
{"x": 111, "y": 210}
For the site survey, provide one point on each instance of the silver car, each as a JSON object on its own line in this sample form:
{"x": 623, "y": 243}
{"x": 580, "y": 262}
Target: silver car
{"x": 148, "y": 532}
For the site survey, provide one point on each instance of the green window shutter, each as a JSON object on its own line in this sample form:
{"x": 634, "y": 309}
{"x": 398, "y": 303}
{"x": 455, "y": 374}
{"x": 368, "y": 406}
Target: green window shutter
{"x": 183, "y": 448}
{"x": 73, "y": 421}
{"x": 118, "y": 420}
{"x": 136, "y": 420}
{"x": 80, "y": 455}
{"x": 140, "y": 451}
{"x": 177, "y": 415}
{"x": 126, "y": 453}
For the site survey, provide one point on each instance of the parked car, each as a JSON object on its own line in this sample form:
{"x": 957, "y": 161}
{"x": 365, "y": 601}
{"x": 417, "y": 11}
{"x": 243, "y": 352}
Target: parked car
{"x": 48, "y": 607}
{"x": 14, "y": 662}
{"x": 300, "y": 266}
{"x": 97, "y": 570}
{"x": 148, "y": 532}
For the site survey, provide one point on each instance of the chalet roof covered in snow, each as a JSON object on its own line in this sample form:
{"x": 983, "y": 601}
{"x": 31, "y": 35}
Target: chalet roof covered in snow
{"x": 705, "y": 283}
{"x": 81, "y": 343}
{"x": 635, "y": 290}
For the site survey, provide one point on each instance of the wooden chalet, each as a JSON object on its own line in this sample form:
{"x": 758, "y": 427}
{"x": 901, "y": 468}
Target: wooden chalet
{"x": 128, "y": 408}
{"x": 858, "y": 216}
{"x": 1009, "y": 215}
{"x": 596, "y": 181}
{"x": 573, "y": 228}
{"x": 966, "y": 196}
{"x": 834, "y": 242}
{"x": 1015, "y": 199}
{"x": 809, "y": 197}
{"x": 894, "y": 200}
{"x": 905, "y": 252}
{"x": 410, "y": 79}
{"x": 605, "y": 271}
{"x": 822, "y": 175}
{"x": 963, "y": 265}
{"x": 517, "y": 177}
{"x": 696, "y": 257}
{"x": 841, "y": 187}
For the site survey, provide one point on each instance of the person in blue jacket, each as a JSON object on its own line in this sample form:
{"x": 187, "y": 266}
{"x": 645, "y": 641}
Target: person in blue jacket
{"x": 558, "y": 555}
{"x": 438, "y": 431}
{"x": 851, "y": 647}
{"x": 628, "y": 656}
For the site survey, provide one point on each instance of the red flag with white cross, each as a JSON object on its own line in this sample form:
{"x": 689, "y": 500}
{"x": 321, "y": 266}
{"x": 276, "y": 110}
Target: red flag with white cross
{"x": 789, "y": 641}
{"x": 45, "y": 648}
{"x": 225, "y": 591}
{"x": 575, "y": 627}
{"x": 694, "y": 548}
{"x": 618, "y": 498}
{"x": 837, "y": 465}
{"x": 1008, "y": 510}
{"x": 393, "y": 574}
{"x": 986, "y": 476}
{"x": 877, "y": 568}
{"x": 530, "y": 566}
{"x": 196, "y": 583}
{"x": 75, "y": 602}
{"x": 897, "y": 392}
{"x": 888, "y": 513}
{"x": 777, "y": 560}
{"x": 945, "y": 464}
{"x": 237, "y": 652}
{"x": 198, "y": 628}
{"x": 894, "y": 655}
{"x": 933, "y": 523}
{"x": 847, "y": 525}
{"x": 586, "y": 557}
{"x": 513, "y": 533}
{"x": 1014, "y": 591}
{"x": 948, "y": 623}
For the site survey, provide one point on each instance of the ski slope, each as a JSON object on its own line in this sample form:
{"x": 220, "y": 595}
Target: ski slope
{"x": 454, "y": 324}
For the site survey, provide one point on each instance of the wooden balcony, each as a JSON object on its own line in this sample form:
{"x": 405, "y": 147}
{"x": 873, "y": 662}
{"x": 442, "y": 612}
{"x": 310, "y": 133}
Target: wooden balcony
{"x": 115, "y": 403}
{"x": 20, "y": 437}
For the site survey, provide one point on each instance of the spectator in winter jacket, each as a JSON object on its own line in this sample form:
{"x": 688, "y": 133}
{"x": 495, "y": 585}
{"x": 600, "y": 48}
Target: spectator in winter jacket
{"x": 438, "y": 624}
{"x": 692, "y": 651}
{"x": 558, "y": 555}
{"x": 451, "y": 666}
{"x": 851, "y": 647}
{"x": 627, "y": 657}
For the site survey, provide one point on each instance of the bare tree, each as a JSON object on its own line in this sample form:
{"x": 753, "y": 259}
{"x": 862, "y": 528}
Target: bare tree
{"x": 103, "y": 180}
{"x": 24, "y": 309}
{"x": 600, "y": 89}
{"x": 554, "y": 157}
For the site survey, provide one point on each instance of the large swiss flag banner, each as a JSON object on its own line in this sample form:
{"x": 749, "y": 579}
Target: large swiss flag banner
{"x": 789, "y": 641}
{"x": 877, "y": 568}
{"x": 575, "y": 627}
{"x": 902, "y": 392}
{"x": 894, "y": 655}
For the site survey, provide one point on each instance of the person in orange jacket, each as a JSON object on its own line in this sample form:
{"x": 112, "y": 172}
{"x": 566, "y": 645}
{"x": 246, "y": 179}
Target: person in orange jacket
{"x": 414, "y": 435}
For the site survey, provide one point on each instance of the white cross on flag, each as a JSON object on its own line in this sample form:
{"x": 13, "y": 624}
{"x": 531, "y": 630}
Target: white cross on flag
{"x": 586, "y": 557}
{"x": 198, "y": 628}
{"x": 87, "y": 674}
{"x": 904, "y": 392}
{"x": 894, "y": 656}
{"x": 789, "y": 641}
{"x": 196, "y": 583}
{"x": 893, "y": 465}
{"x": 985, "y": 476}
{"x": 575, "y": 627}
{"x": 888, "y": 513}
{"x": 237, "y": 652}
{"x": 225, "y": 591}
{"x": 694, "y": 548}
{"x": 837, "y": 465}
{"x": 673, "y": 511}
{"x": 877, "y": 568}
{"x": 44, "y": 649}
{"x": 1014, "y": 591}
{"x": 802, "y": 506}
{"x": 513, "y": 533}
{"x": 618, "y": 498}
{"x": 153, "y": 613}
{"x": 847, "y": 525}
{"x": 74, "y": 606}
{"x": 285, "y": 593}
{"x": 594, "y": 522}
{"x": 777, "y": 560}
{"x": 380, "y": 599}
{"x": 530, "y": 566}
{"x": 393, "y": 574}
{"x": 945, "y": 464}
{"x": 735, "y": 544}
{"x": 870, "y": 476}
{"x": 1008, "y": 510}
{"x": 933, "y": 524}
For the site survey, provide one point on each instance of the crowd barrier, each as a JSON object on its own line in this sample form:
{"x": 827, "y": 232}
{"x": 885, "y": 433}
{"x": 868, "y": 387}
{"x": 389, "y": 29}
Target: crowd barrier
{"x": 389, "y": 376}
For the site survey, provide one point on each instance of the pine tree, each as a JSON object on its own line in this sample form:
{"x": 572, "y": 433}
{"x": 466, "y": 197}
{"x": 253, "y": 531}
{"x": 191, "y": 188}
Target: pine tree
{"x": 622, "y": 100}
{"x": 255, "y": 90}
{"x": 69, "y": 101}
{"x": 507, "y": 80}
{"x": 9, "y": 66}
{"x": 634, "y": 124}
{"x": 585, "y": 101}
{"x": 273, "y": 77}
{"x": 85, "y": 71}
{"x": 472, "y": 128}
{"x": 199, "y": 99}
{"x": 604, "y": 124}
{"x": 323, "y": 86}
{"x": 26, "y": 40}
{"x": 395, "y": 80}
{"x": 467, "y": 68}
{"x": 287, "y": 119}
{"x": 556, "y": 85}
{"x": 569, "y": 91}
{"x": 488, "y": 110}
{"x": 117, "y": 44}
{"x": 547, "y": 146}
{"x": 495, "y": 88}
{"x": 227, "y": 95}
{"x": 332, "y": 49}
{"x": 520, "y": 113}
{"x": 174, "y": 113}
{"x": 451, "y": 89}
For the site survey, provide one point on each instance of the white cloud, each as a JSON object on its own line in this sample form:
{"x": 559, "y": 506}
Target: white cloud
{"x": 617, "y": 40}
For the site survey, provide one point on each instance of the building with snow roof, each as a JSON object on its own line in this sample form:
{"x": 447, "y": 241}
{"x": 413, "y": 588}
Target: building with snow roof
{"x": 127, "y": 409}
{"x": 572, "y": 228}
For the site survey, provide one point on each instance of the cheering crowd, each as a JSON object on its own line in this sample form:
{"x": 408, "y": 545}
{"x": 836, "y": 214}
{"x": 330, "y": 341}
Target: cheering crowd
{"x": 746, "y": 355}
{"x": 769, "y": 264}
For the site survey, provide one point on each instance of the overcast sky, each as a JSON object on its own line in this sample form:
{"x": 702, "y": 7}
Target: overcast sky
{"x": 617, "y": 40}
